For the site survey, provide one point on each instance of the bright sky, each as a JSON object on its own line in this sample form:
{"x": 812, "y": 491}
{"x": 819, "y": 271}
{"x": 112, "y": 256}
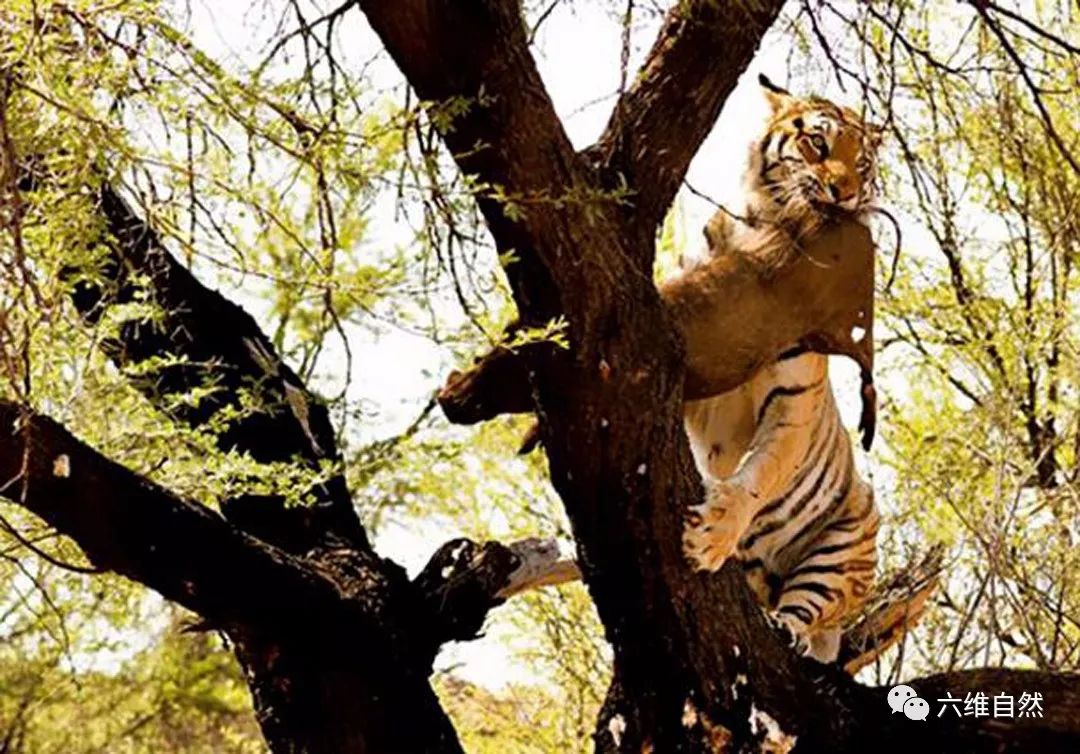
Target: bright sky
{"x": 578, "y": 53}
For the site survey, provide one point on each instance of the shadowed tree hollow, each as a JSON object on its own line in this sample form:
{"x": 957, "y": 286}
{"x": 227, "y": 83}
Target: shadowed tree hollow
{"x": 337, "y": 643}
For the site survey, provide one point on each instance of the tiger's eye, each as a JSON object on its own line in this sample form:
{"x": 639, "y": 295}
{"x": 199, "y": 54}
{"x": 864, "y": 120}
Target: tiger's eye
{"x": 818, "y": 142}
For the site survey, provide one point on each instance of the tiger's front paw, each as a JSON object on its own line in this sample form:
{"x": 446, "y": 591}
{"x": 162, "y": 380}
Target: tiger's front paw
{"x": 713, "y": 530}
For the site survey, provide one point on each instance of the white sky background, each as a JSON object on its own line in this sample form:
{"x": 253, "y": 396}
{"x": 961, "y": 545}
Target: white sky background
{"x": 578, "y": 51}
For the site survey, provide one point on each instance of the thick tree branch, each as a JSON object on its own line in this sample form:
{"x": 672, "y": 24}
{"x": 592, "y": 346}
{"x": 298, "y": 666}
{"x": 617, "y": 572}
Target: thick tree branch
{"x": 343, "y": 592}
{"x": 623, "y": 473}
{"x": 1056, "y": 729}
{"x": 211, "y": 341}
{"x": 681, "y": 641}
{"x": 539, "y": 563}
{"x": 464, "y": 580}
{"x": 126, "y": 524}
{"x": 276, "y": 605}
{"x": 657, "y": 126}
{"x": 497, "y": 383}
{"x": 350, "y": 675}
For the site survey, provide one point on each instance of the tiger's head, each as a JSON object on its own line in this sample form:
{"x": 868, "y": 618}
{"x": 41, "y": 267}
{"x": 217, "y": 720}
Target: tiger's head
{"x": 815, "y": 160}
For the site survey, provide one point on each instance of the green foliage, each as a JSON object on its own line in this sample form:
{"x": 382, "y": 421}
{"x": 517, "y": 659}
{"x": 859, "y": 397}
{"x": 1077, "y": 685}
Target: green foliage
{"x": 96, "y": 664}
{"x": 306, "y": 187}
{"x": 671, "y": 244}
{"x": 978, "y": 349}
{"x": 320, "y": 202}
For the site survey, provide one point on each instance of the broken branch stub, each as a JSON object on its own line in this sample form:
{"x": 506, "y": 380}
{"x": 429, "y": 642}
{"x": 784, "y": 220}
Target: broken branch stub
{"x": 464, "y": 580}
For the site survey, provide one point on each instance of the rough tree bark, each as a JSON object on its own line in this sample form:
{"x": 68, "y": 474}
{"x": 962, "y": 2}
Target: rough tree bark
{"x": 336, "y": 641}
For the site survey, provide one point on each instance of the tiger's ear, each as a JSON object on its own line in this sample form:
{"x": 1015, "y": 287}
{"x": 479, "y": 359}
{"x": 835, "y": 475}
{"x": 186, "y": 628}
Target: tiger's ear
{"x": 777, "y": 96}
{"x": 875, "y": 133}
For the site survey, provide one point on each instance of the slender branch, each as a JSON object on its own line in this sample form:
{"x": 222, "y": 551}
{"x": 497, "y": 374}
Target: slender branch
{"x": 1031, "y": 25}
{"x": 893, "y": 610}
{"x": 1036, "y": 93}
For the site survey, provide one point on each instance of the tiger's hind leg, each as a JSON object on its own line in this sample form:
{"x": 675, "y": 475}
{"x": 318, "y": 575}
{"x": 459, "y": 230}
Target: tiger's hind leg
{"x": 832, "y": 580}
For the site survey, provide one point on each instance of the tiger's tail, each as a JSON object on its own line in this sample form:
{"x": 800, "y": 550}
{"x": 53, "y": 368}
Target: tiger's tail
{"x": 891, "y": 611}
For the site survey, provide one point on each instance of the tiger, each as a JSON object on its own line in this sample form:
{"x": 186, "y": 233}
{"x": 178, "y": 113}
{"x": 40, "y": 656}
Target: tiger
{"x": 783, "y": 496}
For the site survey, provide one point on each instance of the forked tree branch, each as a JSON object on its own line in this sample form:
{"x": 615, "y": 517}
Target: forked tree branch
{"x": 659, "y": 123}
{"x": 197, "y": 559}
{"x": 681, "y": 641}
{"x": 624, "y": 474}
{"x": 340, "y": 591}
